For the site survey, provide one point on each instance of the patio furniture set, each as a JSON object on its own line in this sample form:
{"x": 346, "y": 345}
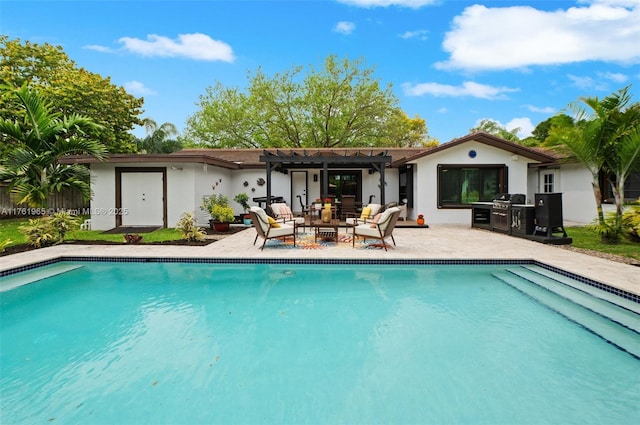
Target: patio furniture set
{"x": 370, "y": 225}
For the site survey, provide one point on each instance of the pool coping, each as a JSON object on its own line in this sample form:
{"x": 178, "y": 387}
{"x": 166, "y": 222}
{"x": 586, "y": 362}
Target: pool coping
{"x": 205, "y": 260}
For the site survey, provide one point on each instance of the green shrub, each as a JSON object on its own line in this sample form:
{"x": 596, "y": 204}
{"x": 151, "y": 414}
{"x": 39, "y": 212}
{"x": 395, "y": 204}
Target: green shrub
{"x": 64, "y": 222}
{"x": 189, "y": 229}
{"x": 218, "y": 208}
{"x": 49, "y": 230}
{"x": 4, "y": 244}
{"x": 631, "y": 223}
{"x": 39, "y": 232}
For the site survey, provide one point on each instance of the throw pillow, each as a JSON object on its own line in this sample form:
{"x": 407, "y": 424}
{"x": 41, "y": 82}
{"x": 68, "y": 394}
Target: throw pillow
{"x": 375, "y": 220}
{"x": 286, "y": 213}
{"x": 272, "y": 222}
{"x": 366, "y": 211}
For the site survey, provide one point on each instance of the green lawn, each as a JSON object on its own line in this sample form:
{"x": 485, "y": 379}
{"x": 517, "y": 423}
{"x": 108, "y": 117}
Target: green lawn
{"x": 587, "y": 239}
{"x": 9, "y": 230}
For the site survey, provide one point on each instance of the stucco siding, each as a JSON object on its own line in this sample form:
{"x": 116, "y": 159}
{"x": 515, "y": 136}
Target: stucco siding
{"x": 578, "y": 202}
{"x": 103, "y": 186}
{"x": 426, "y": 179}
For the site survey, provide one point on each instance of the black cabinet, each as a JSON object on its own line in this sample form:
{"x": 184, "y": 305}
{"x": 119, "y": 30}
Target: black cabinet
{"x": 522, "y": 220}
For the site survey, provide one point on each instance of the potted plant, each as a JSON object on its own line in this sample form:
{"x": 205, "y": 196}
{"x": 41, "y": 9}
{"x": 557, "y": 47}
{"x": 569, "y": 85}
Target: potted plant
{"x": 420, "y": 220}
{"x": 243, "y": 200}
{"x": 221, "y": 213}
{"x": 318, "y": 203}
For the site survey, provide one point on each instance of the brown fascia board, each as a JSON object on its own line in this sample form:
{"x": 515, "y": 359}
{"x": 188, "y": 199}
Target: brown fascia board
{"x": 487, "y": 139}
{"x": 150, "y": 158}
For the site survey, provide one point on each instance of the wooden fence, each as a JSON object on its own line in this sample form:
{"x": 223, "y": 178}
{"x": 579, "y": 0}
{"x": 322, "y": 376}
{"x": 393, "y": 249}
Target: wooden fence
{"x": 65, "y": 200}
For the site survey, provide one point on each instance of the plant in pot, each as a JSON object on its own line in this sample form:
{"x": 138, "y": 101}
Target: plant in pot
{"x": 243, "y": 200}
{"x": 221, "y": 213}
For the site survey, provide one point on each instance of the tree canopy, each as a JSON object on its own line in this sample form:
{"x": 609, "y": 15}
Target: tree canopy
{"x": 340, "y": 105}
{"x": 70, "y": 89}
{"x": 159, "y": 139}
{"x": 32, "y": 168}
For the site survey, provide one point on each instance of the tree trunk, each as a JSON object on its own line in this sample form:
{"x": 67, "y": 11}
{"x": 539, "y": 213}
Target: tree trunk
{"x": 597, "y": 193}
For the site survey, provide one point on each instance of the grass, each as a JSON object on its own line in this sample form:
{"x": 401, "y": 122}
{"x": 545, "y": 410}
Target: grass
{"x": 582, "y": 238}
{"x": 585, "y": 238}
{"x": 9, "y": 230}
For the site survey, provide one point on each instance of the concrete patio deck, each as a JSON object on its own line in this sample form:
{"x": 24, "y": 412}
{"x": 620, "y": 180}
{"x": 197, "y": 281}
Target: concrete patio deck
{"x": 435, "y": 242}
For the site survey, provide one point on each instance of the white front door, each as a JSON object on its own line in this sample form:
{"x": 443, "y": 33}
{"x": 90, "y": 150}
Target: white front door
{"x": 142, "y": 202}
{"x": 298, "y": 188}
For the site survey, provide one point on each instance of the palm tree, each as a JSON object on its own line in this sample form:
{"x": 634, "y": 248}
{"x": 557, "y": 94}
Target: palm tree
{"x": 159, "y": 139}
{"x": 604, "y": 138}
{"x": 32, "y": 168}
{"x": 582, "y": 140}
{"x": 624, "y": 153}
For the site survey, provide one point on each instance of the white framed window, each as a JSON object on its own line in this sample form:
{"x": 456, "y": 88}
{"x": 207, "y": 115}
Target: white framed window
{"x": 548, "y": 182}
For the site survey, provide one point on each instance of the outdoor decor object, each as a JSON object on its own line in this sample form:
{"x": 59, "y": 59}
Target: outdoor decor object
{"x": 420, "y": 220}
{"x": 326, "y": 214}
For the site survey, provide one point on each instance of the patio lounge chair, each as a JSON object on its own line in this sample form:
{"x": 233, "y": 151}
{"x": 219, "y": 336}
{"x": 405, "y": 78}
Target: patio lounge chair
{"x": 380, "y": 230}
{"x": 270, "y": 229}
{"x": 367, "y": 214}
{"x": 283, "y": 213}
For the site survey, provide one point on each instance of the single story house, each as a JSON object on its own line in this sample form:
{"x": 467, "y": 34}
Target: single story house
{"x": 438, "y": 182}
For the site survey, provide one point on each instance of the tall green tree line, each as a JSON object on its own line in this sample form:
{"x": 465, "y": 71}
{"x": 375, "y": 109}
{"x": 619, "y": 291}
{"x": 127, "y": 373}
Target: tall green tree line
{"x": 69, "y": 89}
{"x": 338, "y": 105}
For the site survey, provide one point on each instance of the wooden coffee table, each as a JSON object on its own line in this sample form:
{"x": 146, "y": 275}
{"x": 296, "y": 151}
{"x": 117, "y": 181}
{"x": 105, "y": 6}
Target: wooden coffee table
{"x": 327, "y": 231}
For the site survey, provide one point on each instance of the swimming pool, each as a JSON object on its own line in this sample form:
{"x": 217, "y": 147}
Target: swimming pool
{"x": 159, "y": 342}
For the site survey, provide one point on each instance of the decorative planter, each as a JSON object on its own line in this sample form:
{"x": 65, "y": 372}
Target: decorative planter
{"x": 420, "y": 221}
{"x": 247, "y": 220}
{"x": 326, "y": 215}
{"x": 219, "y": 226}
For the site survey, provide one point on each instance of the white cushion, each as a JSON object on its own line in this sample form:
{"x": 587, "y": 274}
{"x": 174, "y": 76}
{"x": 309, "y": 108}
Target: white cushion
{"x": 283, "y": 230}
{"x": 375, "y": 209}
{"x": 262, "y": 215}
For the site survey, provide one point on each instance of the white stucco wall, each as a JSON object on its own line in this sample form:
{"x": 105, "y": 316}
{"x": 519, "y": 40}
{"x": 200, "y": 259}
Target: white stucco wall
{"x": 578, "y": 202}
{"x": 103, "y": 186}
{"x": 426, "y": 179}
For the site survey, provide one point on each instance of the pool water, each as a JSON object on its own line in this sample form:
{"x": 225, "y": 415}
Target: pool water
{"x": 175, "y": 343}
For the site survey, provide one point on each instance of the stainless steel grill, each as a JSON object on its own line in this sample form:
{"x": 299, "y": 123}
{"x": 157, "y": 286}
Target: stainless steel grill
{"x": 501, "y": 211}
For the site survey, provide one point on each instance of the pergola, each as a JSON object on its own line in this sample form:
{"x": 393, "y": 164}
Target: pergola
{"x": 283, "y": 161}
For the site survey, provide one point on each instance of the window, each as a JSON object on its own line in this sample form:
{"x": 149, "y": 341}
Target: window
{"x": 548, "y": 183}
{"x": 342, "y": 182}
{"x": 460, "y": 185}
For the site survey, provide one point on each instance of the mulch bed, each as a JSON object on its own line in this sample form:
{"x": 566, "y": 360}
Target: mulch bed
{"x": 180, "y": 242}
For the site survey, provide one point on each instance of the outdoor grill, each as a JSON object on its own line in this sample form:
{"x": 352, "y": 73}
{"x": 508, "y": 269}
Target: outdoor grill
{"x": 501, "y": 211}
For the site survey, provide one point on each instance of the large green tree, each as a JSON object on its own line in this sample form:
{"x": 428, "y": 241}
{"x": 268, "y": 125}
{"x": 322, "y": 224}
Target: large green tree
{"x": 41, "y": 137}
{"x": 339, "y": 105}
{"x": 70, "y": 89}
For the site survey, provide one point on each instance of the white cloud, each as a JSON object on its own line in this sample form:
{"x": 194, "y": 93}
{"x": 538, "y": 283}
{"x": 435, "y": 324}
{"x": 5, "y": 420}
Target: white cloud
{"x": 443, "y": 110}
{"x": 419, "y": 34}
{"x": 545, "y": 110}
{"x": 97, "y": 48}
{"x": 524, "y": 124}
{"x": 413, "y": 4}
{"x": 344, "y": 27}
{"x": 137, "y": 88}
{"x": 193, "y": 46}
{"x": 468, "y": 88}
{"x": 484, "y": 38}
{"x": 587, "y": 83}
{"x": 616, "y": 77}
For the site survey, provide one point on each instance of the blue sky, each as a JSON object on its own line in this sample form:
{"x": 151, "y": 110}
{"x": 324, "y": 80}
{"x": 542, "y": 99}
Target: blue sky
{"x": 452, "y": 63}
